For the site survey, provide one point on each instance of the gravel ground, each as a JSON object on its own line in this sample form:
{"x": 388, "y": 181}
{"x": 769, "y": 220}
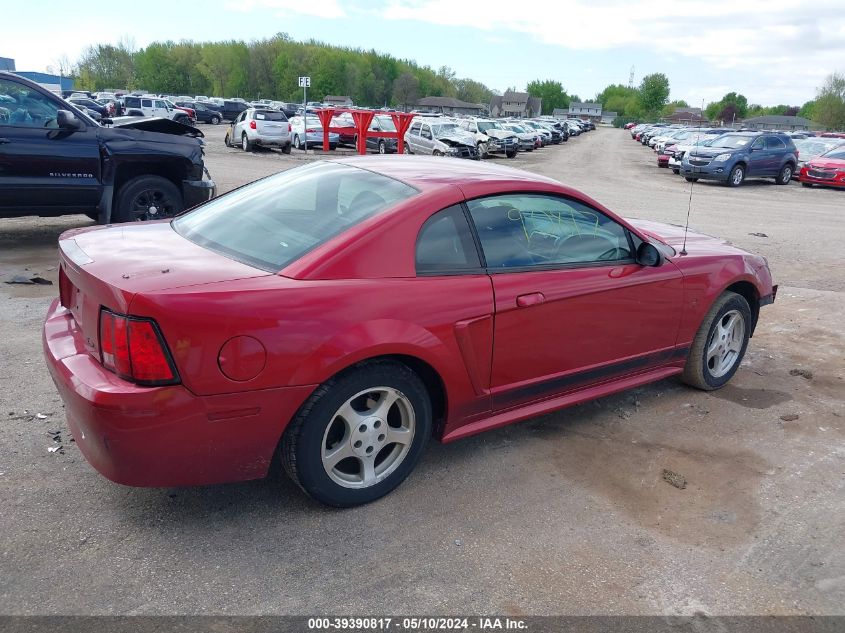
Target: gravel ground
{"x": 569, "y": 513}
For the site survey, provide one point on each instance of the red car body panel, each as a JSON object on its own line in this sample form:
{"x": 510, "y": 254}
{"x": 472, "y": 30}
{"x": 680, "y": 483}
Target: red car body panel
{"x": 825, "y": 171}
{"x": 251, "y": 346}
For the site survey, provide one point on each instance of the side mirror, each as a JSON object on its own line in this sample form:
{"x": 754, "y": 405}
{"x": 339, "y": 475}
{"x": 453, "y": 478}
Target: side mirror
{"x": 648, "y": 255}
{"x": 66, "y": 120}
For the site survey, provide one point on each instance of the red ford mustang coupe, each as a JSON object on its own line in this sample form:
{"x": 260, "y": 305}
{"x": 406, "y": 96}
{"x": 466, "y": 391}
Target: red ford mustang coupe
{"x": 341, "y": 313}
{"x": 827, "y": 169}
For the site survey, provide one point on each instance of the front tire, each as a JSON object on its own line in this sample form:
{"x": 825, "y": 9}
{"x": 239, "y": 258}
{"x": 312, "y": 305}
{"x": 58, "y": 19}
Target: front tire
{"x": 690, "y": 179}
{"x": 359, "y": 435}
{"x": 736, "y": 176}
{"x": 482, "y": 150}
{"x": 382, "y": 147}
{"x": 719, "y": 344}
{"x": 296, "y": 142}
{"x": 147, "y": 198}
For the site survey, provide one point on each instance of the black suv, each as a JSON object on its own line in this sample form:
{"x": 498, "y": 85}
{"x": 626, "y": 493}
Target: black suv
{"x": 55, "y": 160}
{"x": 735, "y": 156}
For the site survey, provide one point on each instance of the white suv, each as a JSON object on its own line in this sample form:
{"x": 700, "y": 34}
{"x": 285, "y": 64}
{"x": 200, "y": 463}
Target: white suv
{"x": 491, "y": 137}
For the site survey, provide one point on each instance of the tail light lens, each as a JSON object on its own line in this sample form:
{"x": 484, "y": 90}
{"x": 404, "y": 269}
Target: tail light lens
{"x": 252, "y": 125}
{"x": 310, "y": 130}
{"x": 65, "y": 288}
{"x": 134, "y": 349}
{"x": 289, "y": 127}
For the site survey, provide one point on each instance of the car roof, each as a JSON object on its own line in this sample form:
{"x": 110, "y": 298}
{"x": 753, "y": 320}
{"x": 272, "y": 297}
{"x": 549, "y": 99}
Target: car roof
{"x": 426, "y": 173}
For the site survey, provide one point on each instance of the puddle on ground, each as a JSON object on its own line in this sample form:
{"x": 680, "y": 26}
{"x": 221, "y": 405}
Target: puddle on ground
{"x": 719, "y": 505}
{"x": 751, "y": 398}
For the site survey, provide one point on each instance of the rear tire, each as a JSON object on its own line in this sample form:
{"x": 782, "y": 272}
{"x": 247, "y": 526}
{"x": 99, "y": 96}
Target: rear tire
{"x": 136, "y": 199}
{"x": 296, "y": 142}
{"x": 286, "y": 149}
{"x": 214, "y": 120}
{"x": 718, "y": 347}
{"x": 348, "y": 413}
{"x": 785, "y": 175}
{"x": 382, "y": 147}
{"x": 510, "y": 154}
{"x": 246, "y": 145}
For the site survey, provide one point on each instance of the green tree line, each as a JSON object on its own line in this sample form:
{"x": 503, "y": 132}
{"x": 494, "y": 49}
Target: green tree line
{"x": 269, "y": 68}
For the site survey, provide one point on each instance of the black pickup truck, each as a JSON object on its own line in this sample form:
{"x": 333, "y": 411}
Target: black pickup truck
{"x": 55, "y": 160}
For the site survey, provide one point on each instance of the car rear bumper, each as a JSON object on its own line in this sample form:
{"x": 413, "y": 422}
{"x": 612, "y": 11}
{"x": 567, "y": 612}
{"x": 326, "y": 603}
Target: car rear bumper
{"x": 162, "y": 436}
{"x": 270, "y": 141}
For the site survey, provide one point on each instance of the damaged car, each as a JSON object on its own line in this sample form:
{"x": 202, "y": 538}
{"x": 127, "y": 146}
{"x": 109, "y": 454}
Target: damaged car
{"x": 56, "y": 160}
{"x": 440, "y": 138}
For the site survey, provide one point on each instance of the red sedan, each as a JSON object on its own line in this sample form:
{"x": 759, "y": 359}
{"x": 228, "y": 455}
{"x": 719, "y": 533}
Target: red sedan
{"x": 827, "y": 169}
{"x": 341, "y": 313}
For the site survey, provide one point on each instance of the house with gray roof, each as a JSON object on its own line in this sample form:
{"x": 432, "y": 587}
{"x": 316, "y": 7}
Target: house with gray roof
{"x": 585, "y": 110}
{"x": 519, "y": 105}
{"x": 777, "y": 122}
{"x": 449, "y": 105}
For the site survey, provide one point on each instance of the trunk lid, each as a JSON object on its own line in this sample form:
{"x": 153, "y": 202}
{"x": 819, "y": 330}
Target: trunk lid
{"x": 107, "y": 266}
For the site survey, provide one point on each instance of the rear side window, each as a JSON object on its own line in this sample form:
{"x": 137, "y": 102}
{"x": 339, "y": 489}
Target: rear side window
{"x": 445, "y": 244}
{"x": 773, "y": 142}
{"x": 274, "y": 221}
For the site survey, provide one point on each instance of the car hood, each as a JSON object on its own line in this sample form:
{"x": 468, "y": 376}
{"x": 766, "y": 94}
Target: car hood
{"x": 155, "y": 124}
{"x": 499, "y": 134}
{"x": 457, "y": 139}
{"x": 826, "y": 163}
{"x": 673, "y": 235}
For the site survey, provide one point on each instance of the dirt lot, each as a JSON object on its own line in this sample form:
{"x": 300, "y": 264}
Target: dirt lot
{"x": 565, "y": 514}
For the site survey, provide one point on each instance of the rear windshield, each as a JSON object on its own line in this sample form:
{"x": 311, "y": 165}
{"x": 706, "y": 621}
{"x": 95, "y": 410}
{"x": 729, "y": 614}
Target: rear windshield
{"x": 270, "y": 115}
{"x": 274, "y": 221}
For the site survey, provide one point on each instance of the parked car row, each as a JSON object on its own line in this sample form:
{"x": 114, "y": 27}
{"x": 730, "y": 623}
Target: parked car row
{"x": 469, "y": 137}
{"x": 732, "y": 156}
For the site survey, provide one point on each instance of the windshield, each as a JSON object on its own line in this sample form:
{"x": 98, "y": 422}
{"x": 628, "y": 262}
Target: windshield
{"x": 731, "y": 141}
{"x": 445, "y": 128}
{"x": 386, "y": 123}
{"x": 837, "y": 154}
{"x": 483, "y": 126}
{"x": 274, "y": 221}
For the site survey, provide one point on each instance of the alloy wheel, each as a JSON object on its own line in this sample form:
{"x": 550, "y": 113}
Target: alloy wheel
{"x": 368, "y": 437}
{"x": 153, "y": 204}
{"x": 725, "y": 344}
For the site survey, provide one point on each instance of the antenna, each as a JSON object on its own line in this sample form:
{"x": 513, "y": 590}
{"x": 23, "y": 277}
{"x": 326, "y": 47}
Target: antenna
{"x": 691, "y": 185}
{"x": 631, "y": 78}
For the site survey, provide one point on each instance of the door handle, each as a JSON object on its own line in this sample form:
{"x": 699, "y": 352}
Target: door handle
{"x": 531, "y": 299}
{"x": 4, "y": 140}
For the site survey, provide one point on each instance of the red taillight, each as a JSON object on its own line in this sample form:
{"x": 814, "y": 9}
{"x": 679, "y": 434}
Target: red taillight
{"x": 65, "y": 288}
{"x": 133, "y": 349}
{"x": 289, "y": 127}
{"x": 252, "y": 125}
{"x": 310, "y": 131}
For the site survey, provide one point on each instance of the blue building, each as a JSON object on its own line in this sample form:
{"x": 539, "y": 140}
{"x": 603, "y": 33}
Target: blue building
{"x": 51, "y": 82}
{"x": 7, "y": 63}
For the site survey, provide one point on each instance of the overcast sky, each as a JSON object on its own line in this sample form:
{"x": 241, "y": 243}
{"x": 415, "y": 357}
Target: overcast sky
{"x": 772, "y": 51}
